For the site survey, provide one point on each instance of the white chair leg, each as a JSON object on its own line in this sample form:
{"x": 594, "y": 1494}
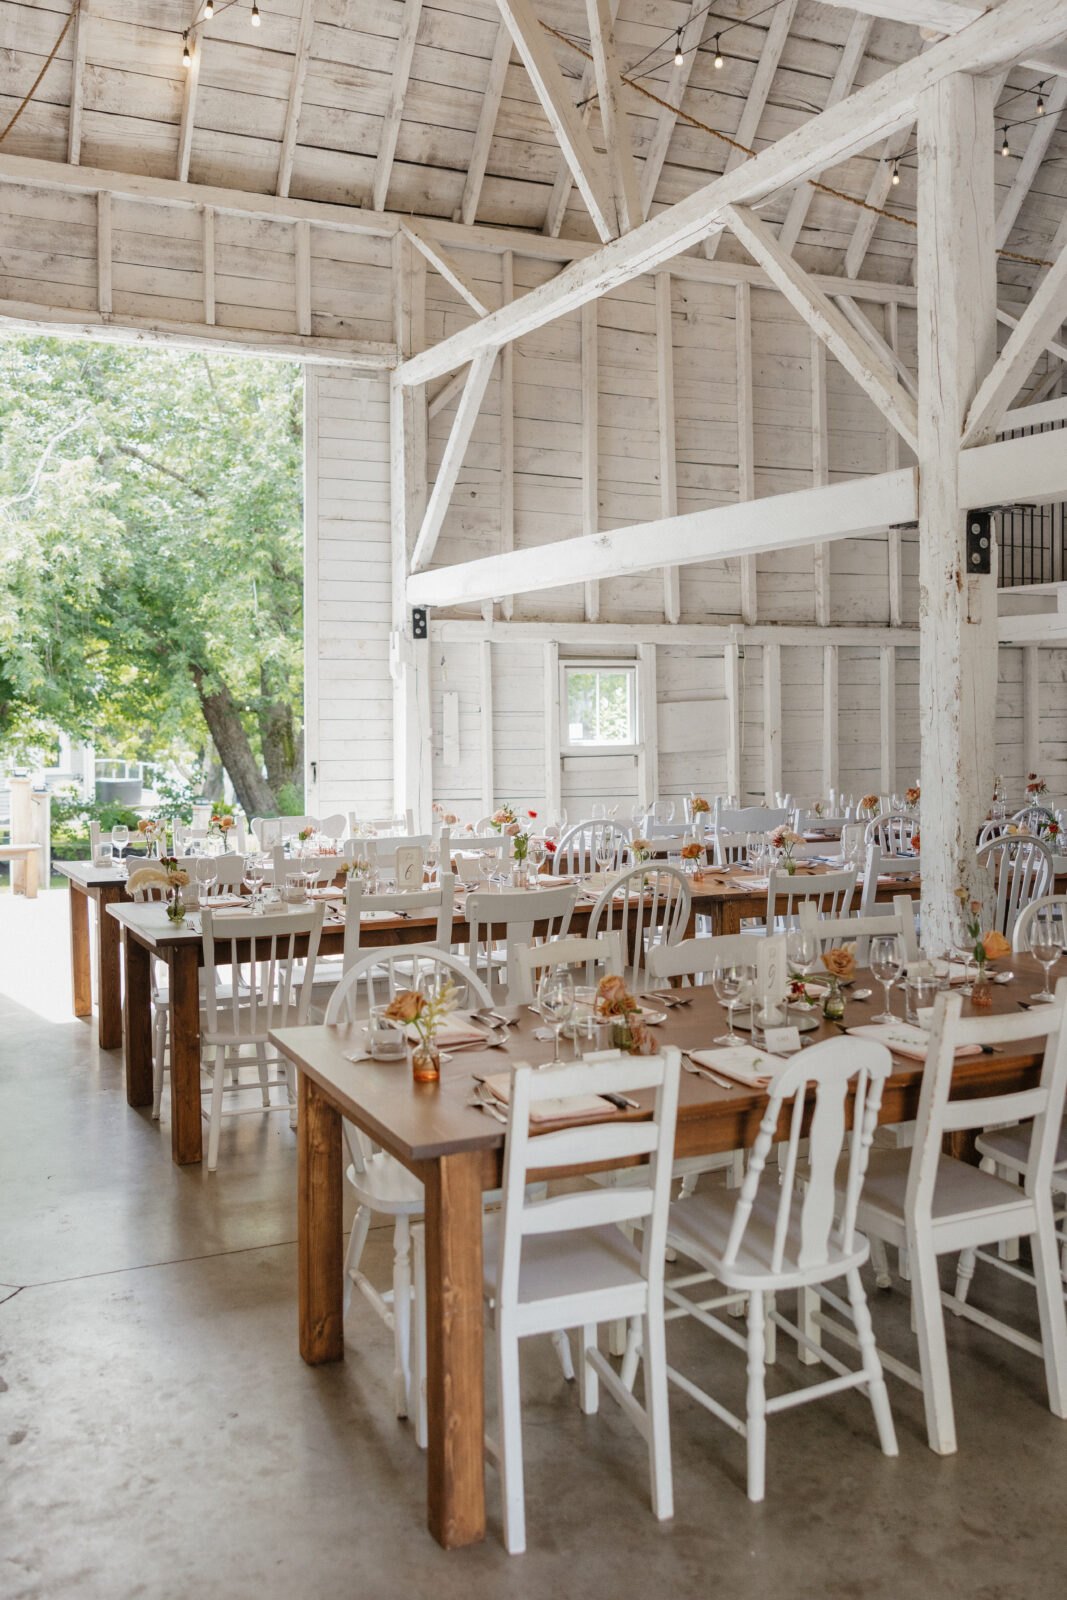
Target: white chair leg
{"x": 872, "y": 1366}
{"x": 617, "y": 1337}
{"x": 904, "y": 1264}
{"x": 1051, "y": 1310}
{"x": 807, "y": 1306}
{"x": 218, "y": 1079}
{"x": 402, "y": 1313}
{"x": 290, "y": 1091}
{"x": 757, "y": 1403}
{"x": 354, "y": 1254}
{"x": 964, "y": 1273}
{"x": 264, "y": 1075}
{"x": 880, "y": 1262}
{"x": 159, "y": 1056}
{"x": 563, "y": 1351}
{"x": 770, "y": 1331}
{"x": 933, "y": 1351}
{"x": 632, "y": 1358}
{"x": 1008, "y": 1249}
{"x": 511, "y": 1477}
{"x": 659, "y": 1427}
{"x": 589, "y": 1387}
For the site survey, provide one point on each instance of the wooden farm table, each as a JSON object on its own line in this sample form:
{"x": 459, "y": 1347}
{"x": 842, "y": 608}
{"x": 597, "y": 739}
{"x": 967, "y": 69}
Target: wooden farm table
{"x": 104, "y": 886}
{"x": 729, "y": 895}
{"x": 456, "y": 1151}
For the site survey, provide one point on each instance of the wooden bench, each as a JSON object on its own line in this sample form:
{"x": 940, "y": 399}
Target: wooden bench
{"x": 24, "y": 869}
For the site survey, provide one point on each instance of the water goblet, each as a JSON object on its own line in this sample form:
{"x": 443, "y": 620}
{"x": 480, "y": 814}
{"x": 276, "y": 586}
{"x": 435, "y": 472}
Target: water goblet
{"x": 120, "y": 838}
{"x": 535, "y": 853}
{"x": 1046, "y": 946}
{"x": 732, "y": 982}
{"x": 255, "y": 873}
{"x": 637, "y": 816}
{"x": 487, "y": 862}
{"x": 555, "y": 997}
{"x": 598, "y": 811}
{"x": 606, "y": 849}
{"x": 207, "y": 876}
{"x": 802, "y": 950}
{"x": 887, "y": 963}
{"x": 963, "y": 945}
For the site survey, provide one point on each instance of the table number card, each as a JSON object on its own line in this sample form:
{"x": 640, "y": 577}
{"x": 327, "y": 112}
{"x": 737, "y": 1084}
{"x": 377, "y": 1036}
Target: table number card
{"x": 772, "y": 977}
{"x": 408, "y": 869}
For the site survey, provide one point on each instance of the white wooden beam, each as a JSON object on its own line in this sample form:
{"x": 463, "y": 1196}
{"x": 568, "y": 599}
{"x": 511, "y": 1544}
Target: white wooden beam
{"x": 398, "y": 87}
{"x": 553, "y": 758}
{"x": 873, "y": 375}
{"x": 1040, "y": 320}
{"x": 772, "y": 722}
{"x": 456, "y": 448}
{"x": 1031, "y": 708}
{"x": 304, "y": 30}
{"x": 559, "y": 199}
{"x": 1040, "y": 138}
{"x": 746, "y": 437}
{"x": 1033, "y": 415}
{"x": 187, "y": 125}
{"x": 590, "y": 445}
{"x": 776, "y": 522}
{"x": 483, "y": 133}
{"x": 878, "y": 193}
{"x": 447, "y": 392}
{"x": 485, "y": 715}
{"x": 1032, "y": 468}
{"x": 77, "y": 83}
{"x": 1035, "y": 398}
{"x": 620, "y": 156}
{"x": 668, "y": 460}
{"x": 647, "y": 725}
{"x": 207, "y": 246}
{"x": 731, "y": 663}
{"x": 302, "y": 264}
{"x": 423, "y": 240}
{"x": 1055, "y": 347}
{"x": 887, "y": 717}
{"x": 673, "y": 92}
{"x": 699, "y": 635}
{"x": 756, "y": 100}
{"x": 894, "y": 553}
{"x": 867, "y": 331}
{"x": 848, "y": 64}
{"x": 949, "y": 16}
{"x": 103, "y": 253}
{"x": 820, "y": 473}
{"x": 830, "y": 744}
{"x": 551, "y": 89}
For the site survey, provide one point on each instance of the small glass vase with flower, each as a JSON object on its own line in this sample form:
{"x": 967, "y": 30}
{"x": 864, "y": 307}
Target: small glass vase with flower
{"x": 784, "y": 841}
{"x": 424, "y": 1010}
{"x": 981, "y": 947}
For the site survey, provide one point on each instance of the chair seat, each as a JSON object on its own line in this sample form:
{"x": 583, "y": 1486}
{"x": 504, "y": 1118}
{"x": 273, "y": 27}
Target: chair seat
{"x": 1011, "y": 1148}
{"x": 699, "y": 1227}
{"x": 386, "y": 1186}
{"x": 556, "y": 1265}
{"x": 977, "y": 1201}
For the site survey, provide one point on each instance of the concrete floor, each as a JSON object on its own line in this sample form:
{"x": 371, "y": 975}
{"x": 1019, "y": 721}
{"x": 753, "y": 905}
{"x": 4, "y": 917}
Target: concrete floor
{"x": 159, "y": 1435}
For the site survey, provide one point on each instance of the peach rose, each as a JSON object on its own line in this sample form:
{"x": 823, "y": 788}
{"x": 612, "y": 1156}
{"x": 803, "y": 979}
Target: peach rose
{"x": 613, "y": 998}
{"x": 692, "y": 852}
{"x": 840, "y": 963}
{"x": 405, "y": 1007}
{"x": 995, "y": 945}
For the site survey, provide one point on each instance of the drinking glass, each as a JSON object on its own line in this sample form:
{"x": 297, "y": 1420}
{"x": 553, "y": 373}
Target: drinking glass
{"x": 598, "y": 811}
{"x": 731, "y": 983}
{"x": 663, "y": 811}
{"x": 637, "y": 816}
{"x": 887, "y": 963}
{"x": 429, "y": 856}
{"x": 387, "y": 1040}
{"x": 1046, "y": 946}
{"x": 963, "y": 945}
{"x": 535, "y": 853}
{"x": 555, "y": 996}
{"x": 120, "y": 838}
{"x": 606, "y": 850}
{"x": 255, "y": 873}
{"x": 802, "y": 949}
{"x": 207, "y": 876}
{"x": 487, "y": 866}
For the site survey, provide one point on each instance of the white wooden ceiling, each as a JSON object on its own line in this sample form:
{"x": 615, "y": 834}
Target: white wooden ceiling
{"x": 330, "y": 70}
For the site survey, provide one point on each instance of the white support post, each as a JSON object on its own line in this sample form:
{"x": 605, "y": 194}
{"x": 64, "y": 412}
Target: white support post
{"x": 507, "y": 430}
{"x": 405, "y": 49}
{"x": 731, "y": 663}
{"x": 303, "y": 277}
{"x": 757, "y": 96}
{"x": 485, "y": 711}
{"x": 831, "y": 765}
{"x": 746, "y": 441}
{"x": 301, "y": 56}
{"x": 77, "y": 83}
{"x": 1032, "y": 708}
{"x": 208, "y": 250}
{"x": 887, "y": 716}
{"x": 103, "y": 253}
{"x": 483, "y": 134}
{"x": 668, "y": 464}
{"x": 647, "y": 725}
{"x": 187, "y": 125}
{"x": 620, "y": 156}
{"x": 892, "y": 462}
{"x": 957, "y": 611}
{"x": 553, "y": 759}
{"x": 820, "y": 473}
{"x": 772, "y": 722}
{"x": 590, "y": 445}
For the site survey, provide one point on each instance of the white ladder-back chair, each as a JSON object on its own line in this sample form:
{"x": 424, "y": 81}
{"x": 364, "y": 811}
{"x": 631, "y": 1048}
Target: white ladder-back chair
{"x": 1023, "y": 871}
{"x": 696, "y": 959}
{"x": 832, "y": 931}
{"x": 599, "y": 957}
{"x": 878, "y": 866}
{"x": 228, "y": 872}
{"x": 235, "y": 1015}
{"x": 334, "y": 826}
{"x": 729, "y": 849}
{"x": 510, "y": 914}
{"x": 781, "y": 1234}
{"x": 576, "y": 849}
{"x": 564, "y": 1262}
{"x": 831, "y": 892}
{"x": 1020, "y": 938}
{"x": 934, "y": 1205}
{"x": 647, "y": 906}
{"x": 891, "y": 831}
{"x": 358, "y": 903}
{"x": 748, "y": 819}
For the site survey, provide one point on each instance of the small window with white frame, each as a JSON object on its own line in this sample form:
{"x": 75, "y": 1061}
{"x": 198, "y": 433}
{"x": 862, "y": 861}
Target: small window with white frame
{"x": 599, "y": 706}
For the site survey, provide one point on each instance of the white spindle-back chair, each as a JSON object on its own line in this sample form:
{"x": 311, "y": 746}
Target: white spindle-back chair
{"x": 785, "y": 1232}
{"x": 891, "y": 831}
{"x": 576, "y": 850}
{"x": 510, "y": 915}
{"x": 649, "y": 906}
{"x": 598, "y": 957}
{"x": 276, "y": 996}
{"x": 831, "y": 892}
{"x": 1023, "y": 871}
{"x": 1032, "y": 818}
{"x": 729, "y": 849}
{"x": 228, "y": 872}
{"x": 1020, "y": 938}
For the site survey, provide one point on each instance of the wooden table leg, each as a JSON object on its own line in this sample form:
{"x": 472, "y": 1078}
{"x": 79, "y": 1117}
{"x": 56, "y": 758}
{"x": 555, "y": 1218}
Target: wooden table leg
{"x": 81, "y": 979}
{"x": 138, "y": 1021}
{"x": 320, "y": 1229}
{"x": 455, "y": 1393}
{"x": 108, "y": 968}
{"x": 186, "y": 1132}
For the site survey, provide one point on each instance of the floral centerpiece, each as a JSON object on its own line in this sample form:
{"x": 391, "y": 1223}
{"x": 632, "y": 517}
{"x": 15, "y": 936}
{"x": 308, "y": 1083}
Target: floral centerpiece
{"x": 448, "y": 819}
{"x": 985, "y": 947}
{"x": 358, "y": 867}
{"x": 166, "y": 874}
{"x": 869, "y": 804}
{"x": 1036, "y": 787}
{"x": 640, "y": 850}
{"x": 691, "y": 854}
{"x": 840, "y": 964}
{"x": 785, "y": 840}
{"x": 915, "y": 841}
{"x": 698, "y": 806}
{"x": 615, "y": 1002}
{"x": 911, "y": 796}
{"x": 1049, "y": 829}
{"x": 152, "y": 831}
{"x": 220, "y": 825}
{"x": 819, "y": 809}
{"x": 503, "y": 818}
{"x": 306, "y": 835}
{"x": 425, "y": 1013}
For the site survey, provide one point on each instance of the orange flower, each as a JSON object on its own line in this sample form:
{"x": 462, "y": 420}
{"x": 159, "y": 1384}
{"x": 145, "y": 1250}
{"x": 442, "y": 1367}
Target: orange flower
{"x": 405, "y": 1007}
{"x": 840, "y": 963}
{"x": 912, "y": 795}
{"x": 995, "y": 945}
{"x": 613, "y": 999}
{"x": 869, "y": 802}
{"x": 915, "y": 842}
{"x": 692, "y": 852}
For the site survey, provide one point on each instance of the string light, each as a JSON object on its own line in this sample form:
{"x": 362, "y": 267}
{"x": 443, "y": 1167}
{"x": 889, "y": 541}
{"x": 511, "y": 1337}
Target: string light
{"x": 1005, "y": 148}
{"x": 718, "y": 52}
{"x": 894, "y": 176}
{"x": 186, "y": 54}
{"x": 209, "y": 9}
{"x": 255, "y": 14}
{"x": 679, "y": 57}
{"x": 1040, "y": 103}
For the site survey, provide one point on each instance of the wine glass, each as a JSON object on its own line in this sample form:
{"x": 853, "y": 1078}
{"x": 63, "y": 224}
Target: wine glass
{"x": 486, "y": 867}
{"x": 207, "y": 876}
{"x": 120, "y": 838}
{"x": 429, "y": 856}
{"x": 637, "y": 816}
{"x": 555, "y": 996}
{"x": 802, "y": 949}
{"x": 963, "y": 945}
{"x": 606, "y": 849}
{"x": 887, "y": 963}
{"x": 732, "y": 982}
{"x": 598, "y": 811}
{"x": 1046, "y": 946}
{"x": 535, "y": 852}
{"x": 255, "y": 873}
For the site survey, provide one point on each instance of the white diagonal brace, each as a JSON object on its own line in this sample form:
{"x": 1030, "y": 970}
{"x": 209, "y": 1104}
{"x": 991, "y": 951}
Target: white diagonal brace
{"x": 405, "y": 49}
{"x": 1038, "y": 323}
{"x": 187, "y": 126}
{"x": 483, "y": 134}
{"x": 77, "y": 83}
{"x": 424, "y": 242}
{"x": 867, "y": 330}
{"x": 866, "y": 118}
{"x": 949, "y": 16}
{"x": 758, "y": 94}
{"x": 1023, "y": 181}
{"x": 620, "y": 155}
{"x": 849, "y": 61}
{"x": 305, "y": 28}
{"x": 559, "y": 199}
{"x": 877, "y": 195}
{"x": 673, "y": 93}
{"x": 873, "y": 374}
{"x": 452, "y": 460}
{"x": 551, "y": 89}
{"x": 446, "y": 393}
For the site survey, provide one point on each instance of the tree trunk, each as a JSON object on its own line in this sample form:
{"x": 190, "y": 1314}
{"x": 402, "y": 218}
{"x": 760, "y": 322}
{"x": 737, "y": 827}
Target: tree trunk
{"x": 231, "y": 742}
{"x": 281, "y": 741}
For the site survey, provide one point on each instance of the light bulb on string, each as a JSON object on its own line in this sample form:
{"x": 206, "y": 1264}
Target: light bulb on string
{"x": 679, "y": 57}
{"x": 894, "y": 176}
{"x": 209, "y": 9}
{"x": 255, "y": 14}
{"x": 718, "y": 52}
{"x": 1040, "y": 104}
{"x": 1005, "y": 148}
{"x": 186, "y": 53}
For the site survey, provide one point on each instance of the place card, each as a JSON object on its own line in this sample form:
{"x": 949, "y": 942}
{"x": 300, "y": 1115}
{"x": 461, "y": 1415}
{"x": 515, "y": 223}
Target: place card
{"x": 782, "y": 1041}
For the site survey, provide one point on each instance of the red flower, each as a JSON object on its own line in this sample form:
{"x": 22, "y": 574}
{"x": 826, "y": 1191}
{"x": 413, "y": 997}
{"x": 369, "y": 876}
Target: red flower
{"x": 531, "y": 813}
{"x": 550, "y": 846}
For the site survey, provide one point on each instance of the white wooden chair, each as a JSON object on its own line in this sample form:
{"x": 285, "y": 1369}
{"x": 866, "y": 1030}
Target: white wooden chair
{"x": 658, "y": 899}
{"x": 271, "y": 831}
{"x": 891, "y": 831}
{"x": 1023, "y": 871}
{"x": 402, "y": 822}
{"x": 879, "y": 866}
{"x": 781, "y": 1235}
{"x": 832, "y": 931}
{"x": 748, "y": 819}
{"x": 236, "y": 1016}
{"x": 933, "y": 1205}
{"x": 1020, "y": 938}
{"x": 358, "y": 903}
{"x": 576, "y": 850}
{"x": 515, "y": 911}
{"x": 831, "y": 893}
{"x": 559, "y": 1263}
{"x": 228, "y": 871}
{"x": 600, "y": 957}
{"x": 333, "y": 826}
{"x": 729, "y": 849}
{"x": 1033, "y": 817}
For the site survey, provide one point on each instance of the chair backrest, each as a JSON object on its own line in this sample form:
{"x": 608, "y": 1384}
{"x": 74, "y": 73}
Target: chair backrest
{"x": 831, "y": 931}
{"x": 228, "y": 872}
{"x": 334, "y": 826}
{"x": 576, "y": 849}
{"x": 667, "y": 844}
{"x": 813, "y": 822}
{"x": 276, "y": 995}
{"x": 834, "y": 1068}
{"x": 403, "y": 822}
{"x": 992, "y": 829}
{"x": 749, "y": 819}
{"x": 648, "y": 906}
{"x": 728, "y": 849}
{"x": 644, "y": 1198}
{"x": 1020, "y": 937}
{"x": 600, "y": 957}
{"x": 1033, "y": 817}
{"x": 697, "y": 958}
{"x": 275, "y": 830}
{"x": 1022, "y": 870}
{"x": 663, "y": 830}
{"x": 938, "y": 1114}
{"x": 381, "y": 973}
{"x": 515, "y": 911}
{"x": 892, "y": 831}
{"x": 150, "y": 892}
{"x": 879, "y": 866}
{"x": 327, "y": 867}
{"x": 439, "y": 899}
{"x": 832, "y": 892}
